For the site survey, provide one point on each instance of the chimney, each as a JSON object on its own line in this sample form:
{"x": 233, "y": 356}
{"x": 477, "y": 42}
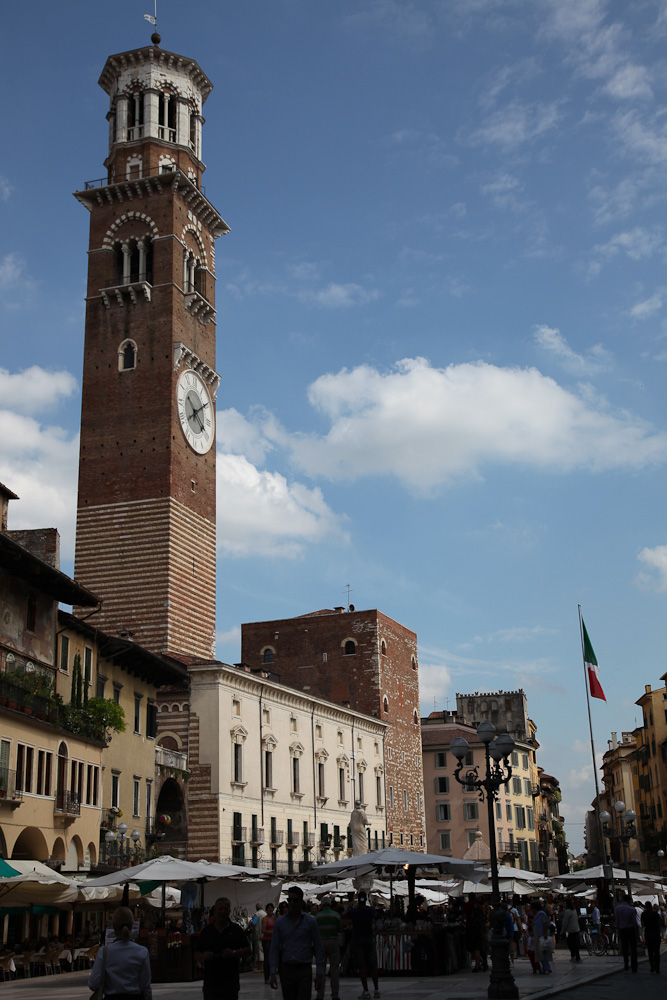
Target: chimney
{"x": 5, "y": 496}
{"x": 614, "y": 741}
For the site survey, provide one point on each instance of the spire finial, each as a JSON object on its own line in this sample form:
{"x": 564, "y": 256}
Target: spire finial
{"x": 152, "y": 19}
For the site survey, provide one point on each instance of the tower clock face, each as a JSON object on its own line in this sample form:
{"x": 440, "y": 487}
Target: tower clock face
{"x": 195, "y": 411}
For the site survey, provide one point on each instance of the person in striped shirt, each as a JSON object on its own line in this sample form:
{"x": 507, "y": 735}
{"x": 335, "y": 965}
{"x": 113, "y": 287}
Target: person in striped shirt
{"x": 330, "y": 926}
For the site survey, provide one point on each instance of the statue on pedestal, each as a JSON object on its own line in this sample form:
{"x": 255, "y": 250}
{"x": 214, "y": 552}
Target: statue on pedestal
{"x": 358, "y": 825}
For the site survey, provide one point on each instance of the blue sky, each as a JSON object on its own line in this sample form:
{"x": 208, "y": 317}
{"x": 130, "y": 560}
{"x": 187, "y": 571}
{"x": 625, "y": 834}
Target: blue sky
{"x": 442, "y": 322}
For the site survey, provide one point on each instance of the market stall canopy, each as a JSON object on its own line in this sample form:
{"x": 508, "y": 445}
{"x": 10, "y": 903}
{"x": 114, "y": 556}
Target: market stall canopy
{"x": 165, "y": 868}
{"x": 36, "y": 883}
{"x": 396, "y": 858}
{"x": 593, "y": 874}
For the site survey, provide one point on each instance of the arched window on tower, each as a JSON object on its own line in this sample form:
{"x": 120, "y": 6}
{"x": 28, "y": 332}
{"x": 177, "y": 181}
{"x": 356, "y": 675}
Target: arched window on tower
{"x": 268, "y": 655}
{"x": 167, "y": 117}
{"x": 193, "y": 131}
{"x": 135, "y": 116}
{"x": 127, "y": 356}
{"x": 350, "y": 647}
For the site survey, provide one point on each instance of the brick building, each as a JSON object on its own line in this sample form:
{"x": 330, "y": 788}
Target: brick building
{"x": 365, "y": 661}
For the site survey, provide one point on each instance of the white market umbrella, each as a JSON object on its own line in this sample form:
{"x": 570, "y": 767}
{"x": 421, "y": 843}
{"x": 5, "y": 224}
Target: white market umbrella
{"x": 37, "y": 883}
{"x": 165, "y": 868}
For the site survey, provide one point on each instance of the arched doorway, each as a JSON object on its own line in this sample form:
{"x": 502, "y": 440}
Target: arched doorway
{"x": 30, "y": 845}
{"x": 170, "y": 814}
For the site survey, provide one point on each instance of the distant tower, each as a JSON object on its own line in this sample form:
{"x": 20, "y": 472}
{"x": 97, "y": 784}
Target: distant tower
{"x": 367, "y": 661}
{"x": 146, "y": 508}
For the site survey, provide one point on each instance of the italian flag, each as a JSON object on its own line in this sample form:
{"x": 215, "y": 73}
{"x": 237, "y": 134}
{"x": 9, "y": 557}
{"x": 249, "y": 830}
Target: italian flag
{"x": 592, "y": 665}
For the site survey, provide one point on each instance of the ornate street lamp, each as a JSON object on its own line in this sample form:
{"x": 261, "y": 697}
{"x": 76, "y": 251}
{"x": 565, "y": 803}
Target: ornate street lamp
{"x": 627, "y": 832}
{"x": 497, "y": 750}
{"x": 119, "y": 848}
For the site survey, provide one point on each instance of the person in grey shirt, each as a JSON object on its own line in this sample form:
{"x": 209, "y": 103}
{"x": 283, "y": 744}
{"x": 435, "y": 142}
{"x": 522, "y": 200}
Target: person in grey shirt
{"x": 295, "y": 940}
{"x": 127, "y": 967}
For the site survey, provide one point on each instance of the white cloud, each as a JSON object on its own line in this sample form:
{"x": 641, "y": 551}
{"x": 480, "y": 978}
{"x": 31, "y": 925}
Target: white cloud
{"x": 430, "y": 427}
{"x": 339, "y": 296}
{"x": 12, "y": 271}
{"x": 516, "y": 124}
{"x": 641, "y": 140}
{"x": 637, "y": 244}
{"x": 237, "y": 435}
{"x": 228, "y": 645}
{"x": 34, "y": 389}
{"x": 261, "y": 514}
{"x": 615, "y": 203}
{"x": 654, "y": 575}
{"x": 504, "y": 191}
{"x": 5, "y": 188}
{"x": 435, "y": 681}
{"x": 648, "y": 307}
{"x": 597, "y": 50}
{"x": 39, "y": 463}
{"x": 596, "y": 359}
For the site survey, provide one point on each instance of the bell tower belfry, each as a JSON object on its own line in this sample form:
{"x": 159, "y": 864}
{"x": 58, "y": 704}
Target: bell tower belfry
{"x": 145, "y": 537}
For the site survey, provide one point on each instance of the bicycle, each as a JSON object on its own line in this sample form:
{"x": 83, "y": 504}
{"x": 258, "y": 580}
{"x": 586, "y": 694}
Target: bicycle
{"x": 607, "y": 942}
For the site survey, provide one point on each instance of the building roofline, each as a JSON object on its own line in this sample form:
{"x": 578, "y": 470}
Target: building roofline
{"x": 21, "y": 562}
{"x": 137, "y": 660}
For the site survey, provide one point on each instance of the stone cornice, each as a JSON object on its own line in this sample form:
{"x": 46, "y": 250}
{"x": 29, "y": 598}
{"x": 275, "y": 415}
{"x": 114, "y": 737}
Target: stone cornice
{"x": 149, "y": 56}
{"x": 143, "y": 187}
{"x": 223, "y": 675}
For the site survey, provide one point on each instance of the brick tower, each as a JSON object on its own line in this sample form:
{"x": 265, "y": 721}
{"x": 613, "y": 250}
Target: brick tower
{"x": 367, "y": 661}
{"x": 146, "y": 509}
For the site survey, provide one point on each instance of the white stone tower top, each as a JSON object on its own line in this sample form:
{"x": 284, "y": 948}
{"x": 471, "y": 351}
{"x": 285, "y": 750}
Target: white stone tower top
{"x": 156, "y": 99}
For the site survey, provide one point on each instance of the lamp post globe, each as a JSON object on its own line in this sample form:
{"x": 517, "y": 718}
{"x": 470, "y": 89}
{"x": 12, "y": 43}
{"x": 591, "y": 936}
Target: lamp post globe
{"x": 619, "y": 806}
{"x": 486, "y": 731}
{"x": 605, "y": 817}
{"x": 459, "y": 747}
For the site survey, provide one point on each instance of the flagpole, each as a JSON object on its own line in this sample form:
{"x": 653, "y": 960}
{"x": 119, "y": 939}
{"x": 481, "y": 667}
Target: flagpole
{"x": 603, "y": 844}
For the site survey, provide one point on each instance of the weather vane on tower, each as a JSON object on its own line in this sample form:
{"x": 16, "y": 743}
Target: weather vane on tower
{"x": 152, "y": 19}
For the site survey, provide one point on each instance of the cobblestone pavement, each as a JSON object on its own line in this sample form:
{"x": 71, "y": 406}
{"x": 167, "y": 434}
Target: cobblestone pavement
{"x": 593, "y": 979}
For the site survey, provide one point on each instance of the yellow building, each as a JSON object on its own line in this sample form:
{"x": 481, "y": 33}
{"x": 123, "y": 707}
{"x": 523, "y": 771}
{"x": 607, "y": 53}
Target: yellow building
{"x": 66, "y": 777}
{"x": 650, "y": 777}
{"x": 133, "y": 772}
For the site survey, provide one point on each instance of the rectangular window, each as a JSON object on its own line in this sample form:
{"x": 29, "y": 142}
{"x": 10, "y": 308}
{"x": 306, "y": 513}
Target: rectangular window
{"x": 89, "y": 784}
{"x": 101, "y": 685}
{"x": 96, "y": 786}
{"x": 115, "y": 789}
{"x": 135, "y": 797}
{"x": 443, "y": 812}
{"x": 530, "y": 818}
{"x": 524, "y": 761}
{"x": 470, "y": 759}
{"x": 87, "y": 665}
{"x": 149, "y": 801}
{"x": 471, "y": 837}
{"x": 360, "y": 786}
{"x": 40, "y": 772}
{"x": 295, "y": 775}
{"x": 64, "y": 653}
{"x": 445, "y": 840}
{"x": 470, "y": 811}
{"x": 508, "y": 812}
{"x": 268, "y": 769}
{"x": 442, "y": 786}
{"x": 391, "y": 796}
{"x": 116, "y": 693}
{"x": 401, "y": 839}
{"x": 519, "y": 817}
{"x": 151, "y": 720}
{"x": 412, "y": 840}
{"x": 499, "y": 810}
{"x": 516, "y": 786}
{"x": 341, "y": 784}
{"x": 238, "y": 762}
{"x": 20, "y": 766}
{"x": 388, "y": 753}
{"x": 405, "y": 800}
{"x": 515, "y": 759}
{"x": 441, "y": 759}
{"x": 527, "y": 787}
{"x": 320, "y": 779}
{"x": 378, "y": 790}
{"x": 137, "y": 713}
